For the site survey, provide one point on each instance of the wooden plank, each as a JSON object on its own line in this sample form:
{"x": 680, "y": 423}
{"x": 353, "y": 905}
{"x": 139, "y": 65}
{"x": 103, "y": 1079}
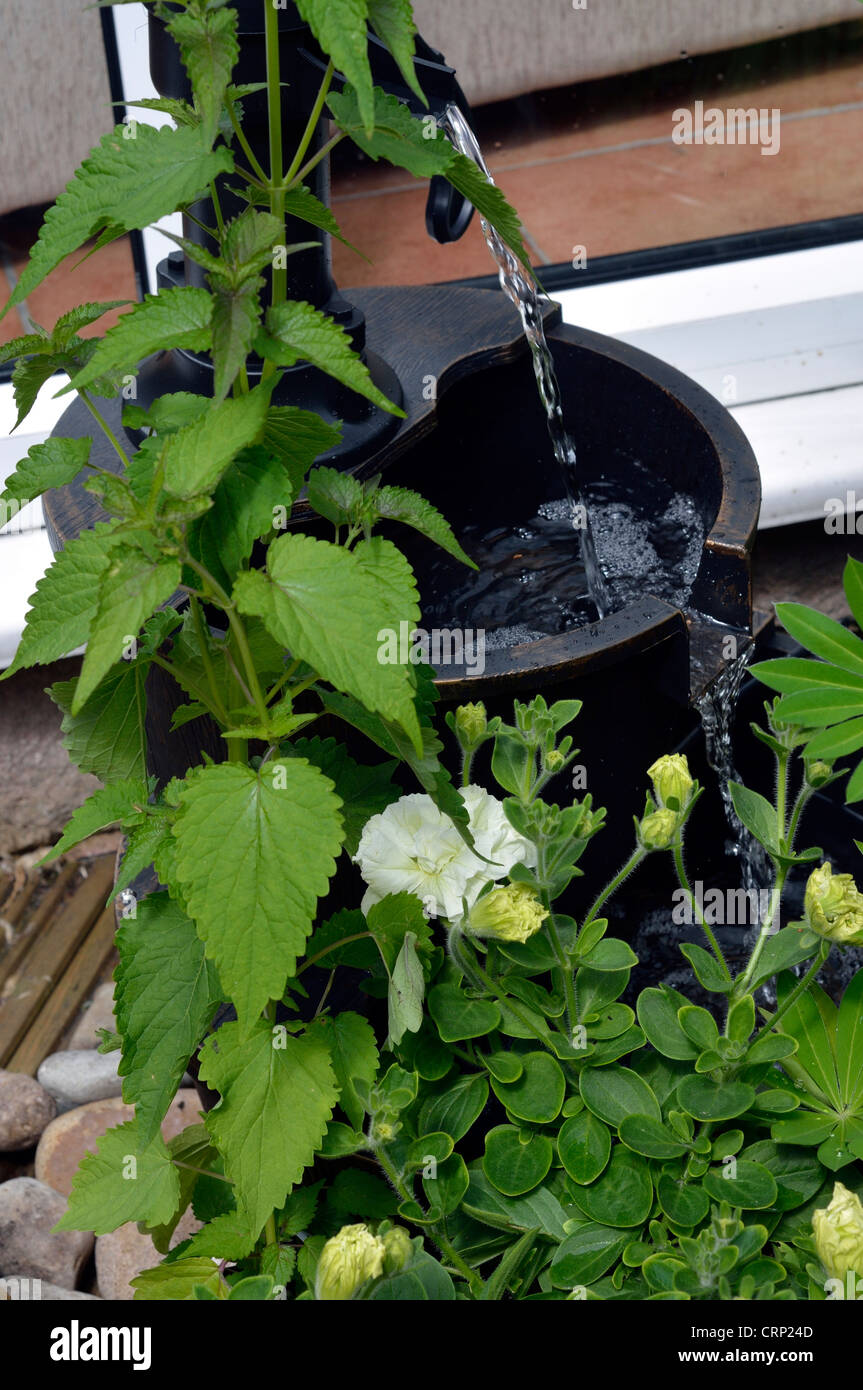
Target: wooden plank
{"x": 11, "y": 959}
{"x": 68, "y": 995}
{"x": 22, "y": 892}
{"x": 49, "y": 954}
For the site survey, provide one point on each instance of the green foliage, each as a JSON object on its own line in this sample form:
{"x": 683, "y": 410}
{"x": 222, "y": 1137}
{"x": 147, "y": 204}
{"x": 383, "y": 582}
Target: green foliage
{"x": 277, "y": 1095}
{"x": 108, "y": 194}
{"x": 165, "y": 996}
{"x": 238, "y": 833}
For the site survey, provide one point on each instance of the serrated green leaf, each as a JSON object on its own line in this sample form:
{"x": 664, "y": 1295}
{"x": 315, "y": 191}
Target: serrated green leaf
{"x": 393, "y": 22}
{"x": 173, "y": 318}
{"x": 66, "y": 600}
{"x": 197, "y": 455}
{"x": 489, "y": 202}
{"x": 107, "y": 737}
{"x": 122, "y": 1181}
{"x": 297, "y": 331}
{"x": 276, "y": 1103}
{"x": 131, "y": 588}
{"x": 244, "y": 508}
{"x": 236, "y": 319}
{"x": 302, "y": 203}
{"x": 254, "y": 852}
{"x": 401, "y": 504}
{"x": 177, "y": 1281}
{"x": 298, "y": 437}
{"x": 229, "y": 1236}
{"x": 118, "y": 803}
{"x": 398, "y": 137}
{"x": 354, "y": 1057}
{"x": 122, "y": 184}
{"x": 424, "y": 151}
{"x": 340, "y": 28}
{"x": 28, "y": 378}
{"x": 209, "y": 49}
{"x": 52, "y": 464}
{"x": 363, "y": 791}
{"x": 328, "y": 605}
{"x": 165, "y": 996}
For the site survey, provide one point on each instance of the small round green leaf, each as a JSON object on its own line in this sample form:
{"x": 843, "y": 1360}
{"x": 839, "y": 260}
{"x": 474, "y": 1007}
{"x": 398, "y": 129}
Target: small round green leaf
{"x": 584, "y": 1147}
{"x": 686, "y": 1204}
{"x": 516, "y": 1161}
{"x": 657, "y": 1014}
{"x": 537, "y": 1094}
{"x": 586, "y": 1255}
{"x": 505, "y": 1066}
{"x": 614, "y": 1092}
{"x": 622, "y": 1196}
{"x": 714, "y": 1100}
{"x": 645, "y": 1135}
{"x": 742, "y": 1183}
{"x": 459, "y": 1017}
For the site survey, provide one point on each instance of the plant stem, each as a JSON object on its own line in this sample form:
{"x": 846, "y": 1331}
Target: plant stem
{"x": 344, "y": 941}
{"x": 311, "y": 124}
{"x": 203, "y": 642}
{"x": 565, "y": 967}
{"x": 239, "y": 632}
{"x": 632, "y": 862}
{"x": 274, "y": 113}
{"x": 782, "y": 761}
{"x": 217, "y": 207}
{"x": 474, "y": 971}
{"x": 801, "y": 986}
{"x": 195, "y": 689}
{"x": 106, "y": 428}
{"x": 438, "y": 1236}
{"x": 743, "y": 981}
{"x": 684, "y": 883}
{"x": 270, "y": 1230}
{"x": 316, "y": 159}
{"x": 244, "y": 144}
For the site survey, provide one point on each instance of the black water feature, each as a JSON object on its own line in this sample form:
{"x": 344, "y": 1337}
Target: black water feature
{"x": 660, "y": 461}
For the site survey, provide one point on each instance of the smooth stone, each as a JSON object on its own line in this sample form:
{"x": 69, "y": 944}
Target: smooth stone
{"x": 76, "y": 1078}
{"x": 26, "y": 1109}
{"x": 71, "y": 1135}
{"x": 125, "y": 1253}
{"x": 42, "y": 1293}
{"x": 98, "y": 1014}
{"x": 28, "y": 1210}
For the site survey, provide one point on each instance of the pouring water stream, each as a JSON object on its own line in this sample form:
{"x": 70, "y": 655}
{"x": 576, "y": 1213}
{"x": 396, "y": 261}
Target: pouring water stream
{"x": 520, "y": 287}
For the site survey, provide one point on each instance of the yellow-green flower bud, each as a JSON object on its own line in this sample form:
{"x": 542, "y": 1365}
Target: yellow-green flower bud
{"x": 511, "y": 913}
{"x": 554, "y": 760}
{"x": 398, "y": 1249}
{"x": 348, "y": 1260}
{"x": 671, "y": 781}
{"x": 838, "y": 1232}
{"x": 657, "y": 831}
{"x": 471, "y": 722}
{"x": 818, "y": 773}
{"x": 834, "y": 907}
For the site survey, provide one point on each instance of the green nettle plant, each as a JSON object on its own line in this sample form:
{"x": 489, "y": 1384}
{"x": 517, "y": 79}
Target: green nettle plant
{"x": 489, "y": 1120}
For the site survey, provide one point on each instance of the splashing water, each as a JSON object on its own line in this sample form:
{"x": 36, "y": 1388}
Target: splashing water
{"x": 520, "y": 287}
{"x": 716, "y": 708}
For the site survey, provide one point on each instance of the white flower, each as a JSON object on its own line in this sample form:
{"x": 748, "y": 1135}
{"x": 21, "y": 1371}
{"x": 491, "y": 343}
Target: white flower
{"x": 412, "y": 847}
